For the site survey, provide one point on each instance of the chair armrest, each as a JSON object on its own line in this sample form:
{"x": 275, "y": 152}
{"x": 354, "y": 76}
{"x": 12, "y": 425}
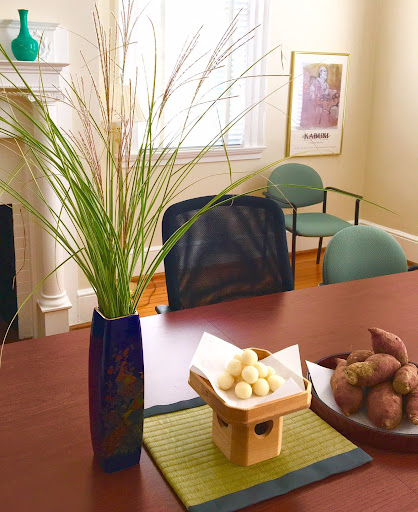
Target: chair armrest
{"x": 163, "y": 309}
{"x": 351, "y": 194}
{"x": 344, "y": 192}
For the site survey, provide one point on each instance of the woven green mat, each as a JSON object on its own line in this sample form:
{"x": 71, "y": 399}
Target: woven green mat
{"x": 204, "y": 479}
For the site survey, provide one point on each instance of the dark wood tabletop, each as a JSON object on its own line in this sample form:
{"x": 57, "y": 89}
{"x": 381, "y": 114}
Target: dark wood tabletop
{"x": 46, "y": 461}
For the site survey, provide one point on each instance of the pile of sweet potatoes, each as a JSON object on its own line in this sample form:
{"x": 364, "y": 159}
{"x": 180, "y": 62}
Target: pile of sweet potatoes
{"x": 391, "y": 382}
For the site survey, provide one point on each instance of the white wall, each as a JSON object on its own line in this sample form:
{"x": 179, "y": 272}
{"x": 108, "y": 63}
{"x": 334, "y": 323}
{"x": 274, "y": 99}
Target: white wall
{"x": 345, "y": 26}
{"x": 378, "y": 157}
{"x": 391, "y": 171}
{"x": 335, "y": 27}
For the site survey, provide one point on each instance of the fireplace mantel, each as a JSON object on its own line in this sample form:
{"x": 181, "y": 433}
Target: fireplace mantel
{"x": 31, "y": 71}
{"x": 51, "y": 313}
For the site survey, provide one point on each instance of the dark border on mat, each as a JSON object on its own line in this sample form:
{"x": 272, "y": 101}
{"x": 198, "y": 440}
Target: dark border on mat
{"x": 177, "y": 406}
{"x": 309, "y": 474}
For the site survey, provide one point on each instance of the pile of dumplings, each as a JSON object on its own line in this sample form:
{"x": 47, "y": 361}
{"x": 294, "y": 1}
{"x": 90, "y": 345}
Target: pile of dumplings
{"x": 247, "y": 375}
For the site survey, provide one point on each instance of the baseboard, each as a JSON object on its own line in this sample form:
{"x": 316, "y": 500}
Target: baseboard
{"x": 408, "y": 242}
{"x": 305, "y": 243}
{"x": 86, "y": 302}
{"x": 151, "y": 255}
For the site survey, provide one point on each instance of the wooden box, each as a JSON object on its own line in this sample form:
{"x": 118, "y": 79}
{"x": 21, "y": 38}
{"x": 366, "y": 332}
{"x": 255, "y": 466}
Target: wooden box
{"x": 248, "y": 436}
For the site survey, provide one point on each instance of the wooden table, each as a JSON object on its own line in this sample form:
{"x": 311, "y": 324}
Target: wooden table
{"x": 46, "y": 460}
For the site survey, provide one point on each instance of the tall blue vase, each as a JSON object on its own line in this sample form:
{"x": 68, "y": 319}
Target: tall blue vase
{"x": 24, "y": 47}
{"x": 116, "y": 391}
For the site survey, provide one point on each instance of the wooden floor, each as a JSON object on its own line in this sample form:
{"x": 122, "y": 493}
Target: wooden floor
{"x": 308, "y": 274}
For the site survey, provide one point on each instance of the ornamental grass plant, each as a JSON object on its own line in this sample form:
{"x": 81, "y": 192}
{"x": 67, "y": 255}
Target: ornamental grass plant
{"x": 110, "y": 203}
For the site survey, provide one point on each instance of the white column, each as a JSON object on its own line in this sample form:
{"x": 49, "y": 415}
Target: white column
{"x": 53, "y": 304}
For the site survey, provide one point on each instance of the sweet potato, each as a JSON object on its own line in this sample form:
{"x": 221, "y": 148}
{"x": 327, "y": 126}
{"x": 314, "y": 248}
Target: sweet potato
{"x": 384, "y": 405}
{"x": 405, "y": 379}
{"x": 348, "y": 398}
{"x": 358, "y": 356}
{"x": 376, "y": 369}
{"x": 387, "y": 343}
{"x": 411, "y": 406}
{"x": 339, "y": 361}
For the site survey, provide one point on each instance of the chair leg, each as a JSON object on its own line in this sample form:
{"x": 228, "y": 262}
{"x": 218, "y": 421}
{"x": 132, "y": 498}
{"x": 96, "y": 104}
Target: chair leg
{"x": 293, "y": 254}
{"x": 318, "y": 256}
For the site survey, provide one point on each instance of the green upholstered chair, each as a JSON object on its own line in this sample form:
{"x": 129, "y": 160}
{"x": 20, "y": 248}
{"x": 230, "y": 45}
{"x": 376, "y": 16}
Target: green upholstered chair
{"x": 359, "y": 252}
{"x": 305, "y": 224}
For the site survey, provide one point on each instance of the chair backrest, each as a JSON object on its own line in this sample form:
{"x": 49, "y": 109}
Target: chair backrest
{"x": 295, "y": 174}
{"x": 359, "y": 252}
{"x": 235, "y": 250}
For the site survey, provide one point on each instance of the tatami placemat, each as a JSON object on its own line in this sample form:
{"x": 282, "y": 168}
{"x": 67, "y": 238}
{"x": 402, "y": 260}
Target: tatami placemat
{"x": 205, "y": 481}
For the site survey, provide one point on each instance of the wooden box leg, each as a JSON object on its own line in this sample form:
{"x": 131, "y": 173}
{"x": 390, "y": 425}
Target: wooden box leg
{"x": 246, "y": 444}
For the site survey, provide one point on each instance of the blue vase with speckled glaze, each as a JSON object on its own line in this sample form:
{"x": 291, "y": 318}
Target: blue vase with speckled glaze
{"x": 116, "y": 391}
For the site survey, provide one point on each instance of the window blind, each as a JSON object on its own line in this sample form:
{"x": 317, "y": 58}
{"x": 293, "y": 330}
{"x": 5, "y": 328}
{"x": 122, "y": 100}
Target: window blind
{"x": 175, "y": 23}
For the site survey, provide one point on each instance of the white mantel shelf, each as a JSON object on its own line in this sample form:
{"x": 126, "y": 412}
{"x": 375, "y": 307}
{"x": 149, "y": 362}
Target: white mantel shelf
{"x": 31, "y": 72}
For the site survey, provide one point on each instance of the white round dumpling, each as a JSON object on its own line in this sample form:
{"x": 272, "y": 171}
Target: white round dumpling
{"x": 243, "y": 390}
{"x": 270, "y": 371}
{"x": 262, "y": 370}
{"x": 249, "y": 374}
{"x": 238, "y": 356}
{"x": 225, "y": 381}
{"x": 234, "y": 367}
{"x": 275, "y": 381}
{"x": 249, "y": 357}
{"x": 261, "y": 387}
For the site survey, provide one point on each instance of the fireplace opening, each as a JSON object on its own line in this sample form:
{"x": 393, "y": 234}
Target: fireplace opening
{"x": 8, "y": 296}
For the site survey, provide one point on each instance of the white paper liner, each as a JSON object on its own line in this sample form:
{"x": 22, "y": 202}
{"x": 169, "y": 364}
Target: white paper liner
{"x": 213, "y": 354}
{"x": 320, "y": 378}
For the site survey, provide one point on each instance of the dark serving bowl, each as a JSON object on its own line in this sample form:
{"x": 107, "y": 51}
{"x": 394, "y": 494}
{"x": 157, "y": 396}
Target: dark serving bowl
{"x": 388, "y": 440}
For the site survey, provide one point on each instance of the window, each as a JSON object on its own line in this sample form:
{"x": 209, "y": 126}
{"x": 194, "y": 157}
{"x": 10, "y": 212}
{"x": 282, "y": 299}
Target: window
{"x": 175, "y": 22}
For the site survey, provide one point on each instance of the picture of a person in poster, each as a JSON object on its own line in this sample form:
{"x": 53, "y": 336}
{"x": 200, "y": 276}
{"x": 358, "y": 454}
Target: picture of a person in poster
{"x": 321, "y": 96}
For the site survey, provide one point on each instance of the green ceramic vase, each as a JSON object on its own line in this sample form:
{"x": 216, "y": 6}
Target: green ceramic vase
{"x": 24, "y": 47}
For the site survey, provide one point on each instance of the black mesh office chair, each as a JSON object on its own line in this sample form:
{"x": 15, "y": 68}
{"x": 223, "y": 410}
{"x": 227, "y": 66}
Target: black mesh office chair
{"x": 236, "y": 250}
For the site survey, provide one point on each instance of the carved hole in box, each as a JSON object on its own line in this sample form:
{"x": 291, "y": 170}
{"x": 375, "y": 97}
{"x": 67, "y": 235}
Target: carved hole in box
{"x": 221, "y": 422}
{"x": 263, "y": 429}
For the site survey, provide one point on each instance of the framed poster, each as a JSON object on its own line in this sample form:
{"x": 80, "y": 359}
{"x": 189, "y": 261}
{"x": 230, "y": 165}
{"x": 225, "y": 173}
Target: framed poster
{"x": 317, "y": 103}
